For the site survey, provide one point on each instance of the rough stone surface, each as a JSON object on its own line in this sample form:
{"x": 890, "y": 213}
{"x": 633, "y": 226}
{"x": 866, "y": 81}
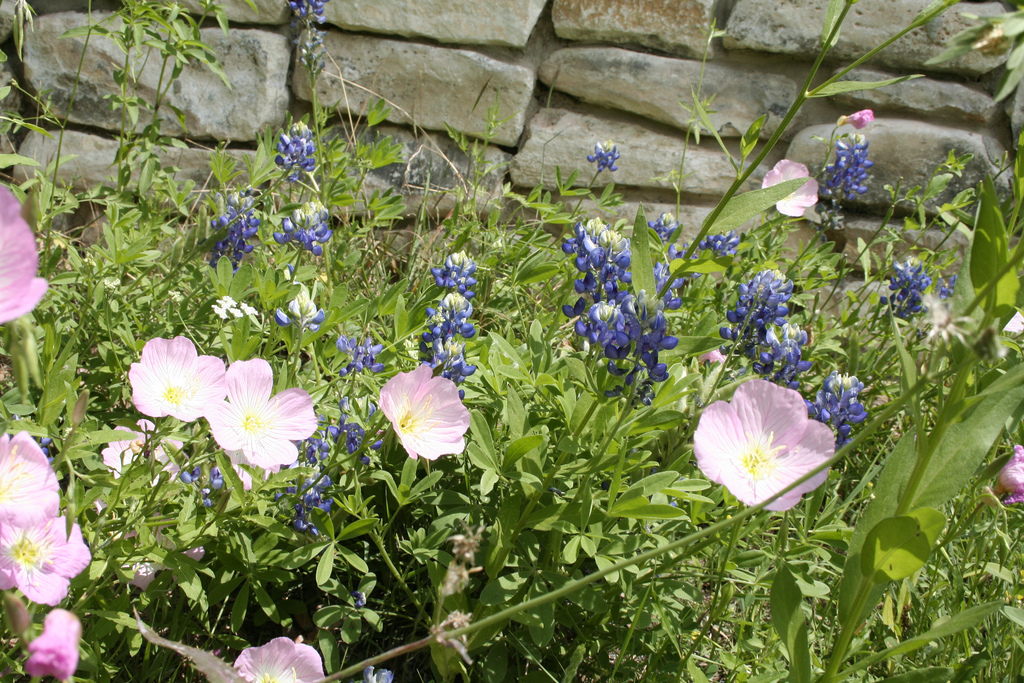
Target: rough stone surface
{"x": 675, "y": 26}
{"x": 256, "y": 63}
{"x": 433, "y": 170}
{"x": 267, "y": 11}
{"x": 794, "y": 27}
{"x": 653, "y": 87}
{"x": 93, "y": 164}
{"x": 1016, "y": 111}
{"x": 909, "y": 150}
{"x": 556, "y": 137}
{"x": 13, "y": 99}
{"x": 6, "y": 20}
{"x": 425, "y": 85}
{"x": 497, "y": 22}
{"x": 942, "y": 100}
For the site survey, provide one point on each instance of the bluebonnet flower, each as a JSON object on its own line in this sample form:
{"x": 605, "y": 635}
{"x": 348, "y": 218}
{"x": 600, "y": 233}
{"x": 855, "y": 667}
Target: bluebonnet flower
{"x": 837, "y": 406}
{"x": 360, "y": 599}
{"x": 311, "y": 51}
{"x": 946, "y": 287}
{"x": 643, "y": 329}
{"x": 308, "y": 225}
{"x": 241, "y": 223}
{"x": 295, "y": 151}
{"x": 364, "y": 356}
{"x": 311, "y": 495}
{"x": 354, "y": 433}
{"x": 451, "y": 355}
{"x": 666, "y": 226}
{"x": 909, "y": 282}
{"x": 761, "y": 303}
{"x": 605, "y": 154}
{"x": 721, "y": 245}
{"x": 602, "y": 324}
{"x": 45, "y": 444}
{"x": 309, "y": 9}
{"x": 457, "y": 274}
{"x": 195, "y": 476}
{"x": 846, "y": 177}
{"x": 603, "y": 256}
{"x": 381, "y": 676}
{"x": 305, "y": 314}
{"x": 779, "y": 359}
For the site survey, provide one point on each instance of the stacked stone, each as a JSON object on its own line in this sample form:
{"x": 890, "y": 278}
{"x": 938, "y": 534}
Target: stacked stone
{"x": 561, "y": 76}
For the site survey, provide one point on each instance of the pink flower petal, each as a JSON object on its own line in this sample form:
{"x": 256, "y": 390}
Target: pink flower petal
{"x": 55, "y": 651}
{"x": 426, "y": 412}
{"x": 28, "y": 487}
{"x": 172, "y": 379}
{"x": 760, "y": 443}
{"x": 799, "y": 201}
{"x": 20, "y": 289}
{"x": 280, "y": 660}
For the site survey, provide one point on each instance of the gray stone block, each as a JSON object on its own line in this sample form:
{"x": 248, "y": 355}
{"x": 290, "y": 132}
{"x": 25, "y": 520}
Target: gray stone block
{"x": 563, "y": 139}
{"x": 469, "y": 22}
{"x": 267, "y": 11}
{"x": 654, "y": 86}
{"x": 256, "y": 63}
{"x": 425, "y": 85}
{"x": 907, "y": 152}
{"x": 794, "y": 27}
{"x": 677, "y": 26}
{"x": 920, "y": 96}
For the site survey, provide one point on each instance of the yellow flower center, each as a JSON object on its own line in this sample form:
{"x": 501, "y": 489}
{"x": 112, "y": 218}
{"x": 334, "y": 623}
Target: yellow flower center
{"x": 26, "y": 552}
{"x": 254, "y": 423}
{"x": 414, "y": 421}
{"x": 758, "y": 456}
{"x": 174, "y": 395}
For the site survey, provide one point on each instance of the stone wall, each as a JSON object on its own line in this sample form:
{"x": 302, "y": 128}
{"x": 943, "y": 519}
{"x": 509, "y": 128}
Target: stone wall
{"x": 562, "y": 75}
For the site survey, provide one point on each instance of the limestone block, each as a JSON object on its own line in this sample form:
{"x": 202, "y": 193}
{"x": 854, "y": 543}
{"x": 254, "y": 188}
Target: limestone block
{"x": 13, "y": 99}
{"x": 865, "y": 228}
{"x": 1016, "y": 110}
{"x": 93, "y": 164}
{"x": 425, "y": 85}
{"x": 469, "y": 22}
{"x": 654, "y": 87}
{"x": 267, "y": 11}
{"x": 256, "y": 63}
{"x": 6, "y": 20}
{"x": 676, "y": 26}
{"x": 944, "y": 100}
{"x": 563, "y": 139}
{"x": 907, "y": 150}
{"x": 433, "y": 170}
{"x": 794, "y": 27}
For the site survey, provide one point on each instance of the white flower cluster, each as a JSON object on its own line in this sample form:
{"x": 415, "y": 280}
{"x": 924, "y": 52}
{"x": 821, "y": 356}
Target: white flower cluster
{"x": 226, "y": 307}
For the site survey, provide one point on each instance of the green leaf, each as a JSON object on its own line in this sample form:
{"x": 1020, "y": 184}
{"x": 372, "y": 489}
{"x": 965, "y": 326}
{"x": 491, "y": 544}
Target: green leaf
{"x": 899, "y": 546}
{"x": 521, "y": 447}
{"x": 853, "y": 86}
{"x": 16, "y": 159}
{"x": 641, "y": 508}
{"x": 990, "y": 253}
{"x": 325, "y": 567}
{"x": 835, "y": 7}
{"x": 941, "y": 629}
{"x": 788, "y": 620}
{"x": 743, "y": 207}
{"x": 357, "y": 528}
{"x": 641, "y": 263}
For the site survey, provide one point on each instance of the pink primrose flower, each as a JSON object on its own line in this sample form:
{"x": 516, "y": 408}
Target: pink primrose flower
{"x": 280, "y": 661}
{"x": 858, "y": 119}
{"x": 41, "y": 559}
{"x": 20, "y": 289}
{"x": 262, "y": 427}
{"x": 761, "y": 442}
{"x": 119, "y": 454}
{"x": 54, "y": 652}
{"x": 803, "y": 198}
{"x": 1016, "y": 324}
{"x": 426, "y": 412}
{"x": 28, "y": 487}
{"x": 1011, "y": 479}
{"x": 144, "y": 573}
{"x": 172, "y": 379}
{"x": 714, "y": 356}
